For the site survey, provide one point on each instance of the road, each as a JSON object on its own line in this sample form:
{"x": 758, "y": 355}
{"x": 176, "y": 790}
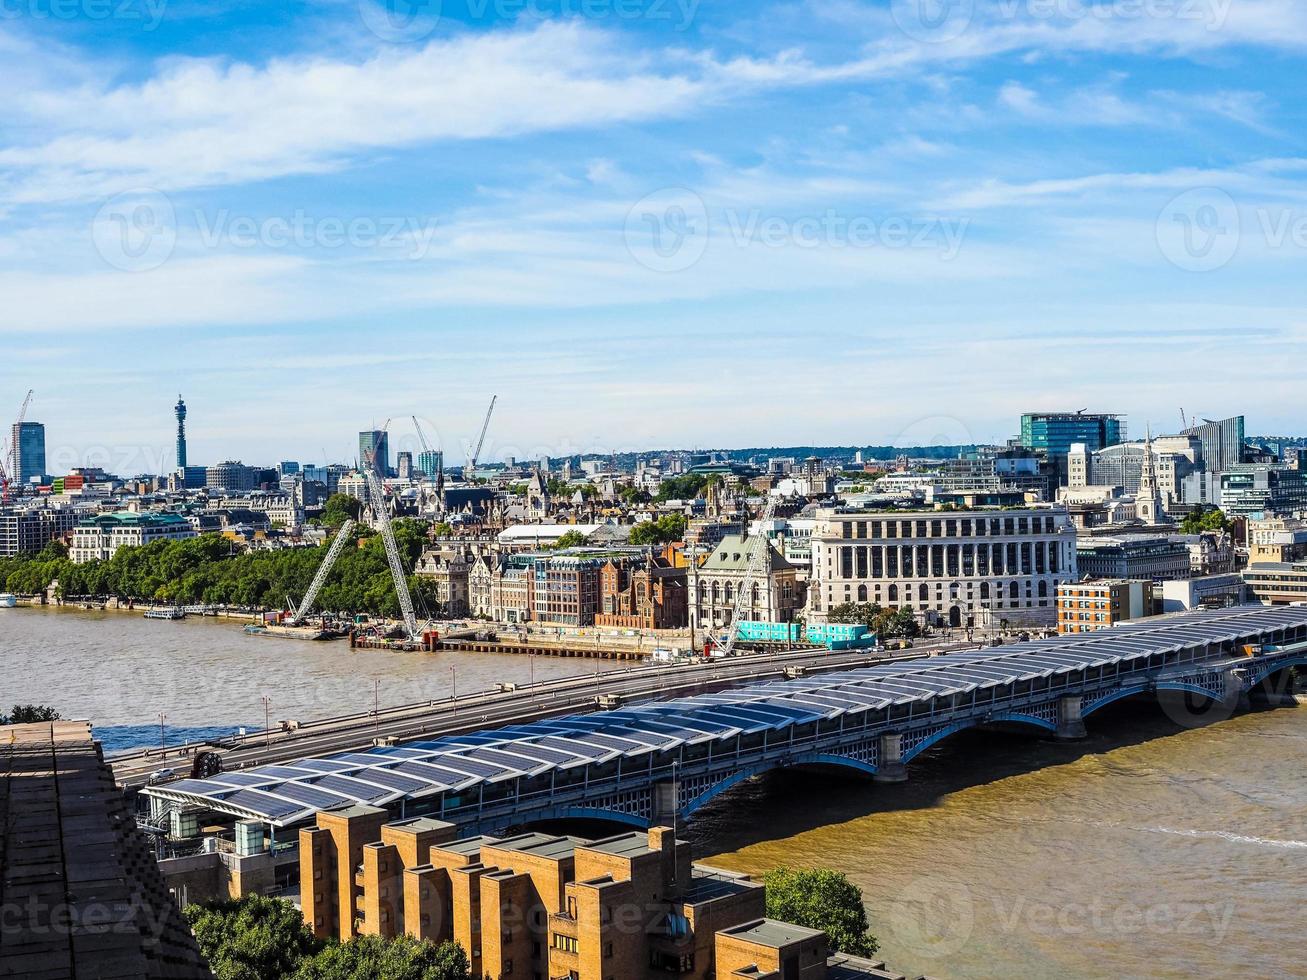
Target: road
{"x": 494, "y": 708}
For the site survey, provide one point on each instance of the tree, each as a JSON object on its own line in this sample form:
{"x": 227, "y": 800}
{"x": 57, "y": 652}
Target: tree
{"x": 867, "y": 614}
{"x": 820, "y": 898}
{"x": 685, "y": 487}
{"x": 255, "y": 938}
{"x": 668, "y": 528}
{"x": 374, "y": 958}
{"x": 339, "y": 508}
{"x": 572, "y": 539}
{"x": 27, "y": 714}
{"x": 1202, "y": 519}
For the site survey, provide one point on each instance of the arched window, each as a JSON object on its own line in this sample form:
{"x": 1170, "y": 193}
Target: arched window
{"x": 716, "y": 592}
{"x": 862, "y": 593}
{"x": 923, "y": 593}
{"x": 727, "y": 593}
{"x": 894, "y": 593}
{"x": 984, "y": 590}
{"x": 1043, "y": 589}
{"x": 1012, "y": 590}
{"x": 755, "y": 593}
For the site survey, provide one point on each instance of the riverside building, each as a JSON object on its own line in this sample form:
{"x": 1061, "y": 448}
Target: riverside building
{"x": 960, "y": 567}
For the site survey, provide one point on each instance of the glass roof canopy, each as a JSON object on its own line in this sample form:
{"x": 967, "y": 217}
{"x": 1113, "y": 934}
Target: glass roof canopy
{"x": 290, "y": 793}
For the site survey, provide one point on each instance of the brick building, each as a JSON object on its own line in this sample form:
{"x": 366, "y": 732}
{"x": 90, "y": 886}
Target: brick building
{"x": 642, "y": 592}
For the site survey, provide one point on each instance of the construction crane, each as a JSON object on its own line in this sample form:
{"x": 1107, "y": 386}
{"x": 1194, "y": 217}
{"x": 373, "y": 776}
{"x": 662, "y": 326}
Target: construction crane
{"x": 320, "y": 579}
{"x": 377, "y": 499}
{"x": 476, "y": 454}
{"x": 8, "y": 462}
{"x": 759, "y": 548}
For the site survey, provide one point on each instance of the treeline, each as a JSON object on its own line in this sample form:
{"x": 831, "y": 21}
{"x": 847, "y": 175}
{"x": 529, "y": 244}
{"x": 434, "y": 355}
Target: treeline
{"x": 208, "y": 570}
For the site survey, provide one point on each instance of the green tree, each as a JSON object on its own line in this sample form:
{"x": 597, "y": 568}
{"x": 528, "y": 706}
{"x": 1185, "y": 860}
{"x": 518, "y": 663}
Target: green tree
{"x": 820, "y": 898}
{"x": 868, "y": 614}
{"x": 339, "y": 508}
{"x": 668, "y": 528}
{"x": 1202, "y": 519}
{"x": 27, "y": 714}
{"x": 572, "y": 539}
{"x": 686, "y": 487}
{"x": 255, "y": 938}
{"x": 373, "y": 958}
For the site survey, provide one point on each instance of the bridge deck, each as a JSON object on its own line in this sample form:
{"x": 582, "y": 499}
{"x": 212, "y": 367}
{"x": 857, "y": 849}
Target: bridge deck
{"x": 643, "y": 740}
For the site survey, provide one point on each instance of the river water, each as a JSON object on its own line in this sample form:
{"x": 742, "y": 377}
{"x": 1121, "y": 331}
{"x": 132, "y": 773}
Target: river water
{"x": 1149, "y": 849}
{"x": 208, "y": 676}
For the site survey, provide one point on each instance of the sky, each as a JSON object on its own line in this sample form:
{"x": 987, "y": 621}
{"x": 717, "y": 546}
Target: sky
{"x": 644, "y": 223}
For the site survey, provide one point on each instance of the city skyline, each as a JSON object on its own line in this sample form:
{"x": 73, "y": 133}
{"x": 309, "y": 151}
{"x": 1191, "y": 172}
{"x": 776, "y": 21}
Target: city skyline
{"x": 660, "y": 211}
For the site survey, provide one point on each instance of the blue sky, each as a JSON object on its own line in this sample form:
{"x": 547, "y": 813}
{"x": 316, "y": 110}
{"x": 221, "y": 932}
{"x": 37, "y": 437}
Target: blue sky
{"x": 645, "y": 223}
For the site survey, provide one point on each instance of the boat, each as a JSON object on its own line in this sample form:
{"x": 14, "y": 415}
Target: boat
{"x": 291, "y": 632}
{"x": 165, "y": 612}
{"x": 8, "y": 600}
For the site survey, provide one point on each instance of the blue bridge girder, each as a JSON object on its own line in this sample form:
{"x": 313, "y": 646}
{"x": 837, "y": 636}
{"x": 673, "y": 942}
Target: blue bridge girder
{"x": 662, "y": 760}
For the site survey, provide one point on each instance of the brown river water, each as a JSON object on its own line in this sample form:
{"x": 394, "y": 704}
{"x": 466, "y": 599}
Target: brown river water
{"x": 1147, "y": 850}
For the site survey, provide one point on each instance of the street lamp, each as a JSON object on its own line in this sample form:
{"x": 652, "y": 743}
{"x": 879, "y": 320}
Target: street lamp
{"x": 531, "y": 659}
{"x": 453, "y": 676}
{"x": 267, "y": 725}
{"x": 376, "y": 702}
{"x": 162, "y": 743}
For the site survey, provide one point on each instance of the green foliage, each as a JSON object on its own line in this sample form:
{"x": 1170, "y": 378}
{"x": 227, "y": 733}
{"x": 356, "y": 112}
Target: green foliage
{"x": 27, "y": 714}
{"x": 572, "y": 539}
{"x": 1204, "y": 519}
{"x": 373, "y": 958}
{"x": 256, "y": 938}
{"x": 339, "y": 508}
{"x": 686, "y": 487}
{"x": 668, "y": 528}
{"x": 205, "y": 570}
{"x": 634, "y": 496}
{"x": 261, "y": 938}
{"x": 883, "y": 622}
{"x": 442, "y": 530}
{"x": 820, "y": 898}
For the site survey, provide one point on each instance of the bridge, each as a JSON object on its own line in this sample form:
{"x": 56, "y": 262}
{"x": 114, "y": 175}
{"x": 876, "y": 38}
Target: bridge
{"x": 660, "y": 760}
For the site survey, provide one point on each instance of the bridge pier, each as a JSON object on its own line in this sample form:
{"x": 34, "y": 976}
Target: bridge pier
{"x": 665, "y": 810}
{"x": 890, "y": 767}
{"x": 1236, "y": 694}
{"x": 1070, "y": 722}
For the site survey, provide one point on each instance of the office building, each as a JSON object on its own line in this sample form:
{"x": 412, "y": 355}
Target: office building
{"x": 1259, "y": 489}
{"x": 1207, "y": 592}
{"x": 958, "y": 567}
{"x": 1083, "y": 607}
{"x": 1157, "y": 557}
{"x": 404, "y": 466}
{"x": 628, "y": 907}
{"x": 1276, "y": 583}
{"x": 1222, "y": 443}
{"x": 25, "y": 532}
{"x": 98, "y": 538}
{"x": 288, "y": 467}
{"x": 431, "y": 464}
{"x": 230, "y": 476}
{"x": 1276, "y": 539}
{"x": 374, "y": 451}
{"x": 1174, "y": 459}
{"x": 1053, "y": 434}
{"x": 28, "y": 453}
{"x": 642, "y": 592}
{"x": 773, "y": 595}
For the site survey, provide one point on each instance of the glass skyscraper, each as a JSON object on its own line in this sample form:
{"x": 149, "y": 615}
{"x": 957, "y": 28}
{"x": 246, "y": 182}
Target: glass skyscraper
{"x": 1053, "y": 434}
{"x": 29, "y": 452}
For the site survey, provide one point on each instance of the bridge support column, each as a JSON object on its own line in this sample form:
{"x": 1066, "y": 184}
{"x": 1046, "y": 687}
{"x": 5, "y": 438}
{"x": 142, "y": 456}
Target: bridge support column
{"x": 1070, "y": 723}
{"x": 665, "y": 795}
{"x": 1236, "y": 693}
{"x": 890, "y": 767}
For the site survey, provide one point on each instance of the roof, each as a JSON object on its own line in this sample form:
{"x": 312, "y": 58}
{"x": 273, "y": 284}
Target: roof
{"x": 544, "y": 532}
{"x": 732, "y": 555}
{"x": 772, "y": 933}
{"x": 290, "y": 793}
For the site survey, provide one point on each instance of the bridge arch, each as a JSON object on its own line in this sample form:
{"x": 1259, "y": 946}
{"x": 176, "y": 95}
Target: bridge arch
{"x": 1272, "y": 669}
{"x": 1008, "y": 717}
{"x": 597, "y": 813}
{"x": 1136, "y": 689}
{"x": 816, "y": 760}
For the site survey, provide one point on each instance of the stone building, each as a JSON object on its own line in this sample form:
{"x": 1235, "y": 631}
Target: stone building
{"x": 773, "y": 595}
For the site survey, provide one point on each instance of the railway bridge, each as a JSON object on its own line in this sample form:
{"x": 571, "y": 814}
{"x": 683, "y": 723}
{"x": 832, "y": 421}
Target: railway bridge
{"x": 662, "y": 760}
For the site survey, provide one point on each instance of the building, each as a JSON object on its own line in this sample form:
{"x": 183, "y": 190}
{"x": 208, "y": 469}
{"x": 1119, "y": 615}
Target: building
{"x": 1276, "y": 583}
{"x": 1174, "y": 459}
{"x": 1207, "y": 592}
{"x": 98, "y": 538}
{"x": 1158, "y": 557}
{"x": 1053, "y": 434}
{"x": 179, "y": 410}
{"x": 230, "y": 476}
{"x": 565, "y": 589}
{"x": 83, "y": 896}
{"x": 1276, "y": 539}
{"x": 642, "y": 592}
{"x": 773, "y": 596}
{"x": 1261, "y": 489}
{"x": 992, "y": 470}
{"x": 628, "y": 907}
{"x": 448, "y": 565}
{"x": 28, "y": 453}
{"x": 374, "y": 451}
{"x": 24, "y": 532}
{"x": 1083, "y": 607}
{"x": 1222, "y": 443}
{"x": 955, "y": 566}
{"x": 431, "y": 464}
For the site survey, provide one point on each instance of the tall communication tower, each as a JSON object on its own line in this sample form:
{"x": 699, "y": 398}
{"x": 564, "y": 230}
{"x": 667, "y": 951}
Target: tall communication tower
{"x": 180, "y": 411}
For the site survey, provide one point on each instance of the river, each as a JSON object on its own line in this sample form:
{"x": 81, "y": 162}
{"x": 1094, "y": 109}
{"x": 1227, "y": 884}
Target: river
{"x": 1147, "y": 850}
{"x": 208, "y": 676}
